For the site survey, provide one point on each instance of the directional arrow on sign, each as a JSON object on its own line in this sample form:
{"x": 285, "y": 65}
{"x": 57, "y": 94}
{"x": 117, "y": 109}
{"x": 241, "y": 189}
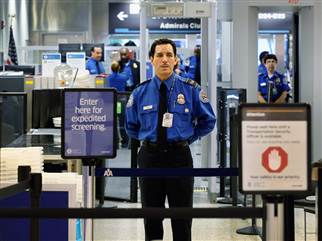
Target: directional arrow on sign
{"x": 122, "y": 16}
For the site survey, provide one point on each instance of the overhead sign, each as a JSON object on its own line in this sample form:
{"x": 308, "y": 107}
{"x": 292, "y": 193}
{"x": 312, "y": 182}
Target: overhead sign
{"x": 124, "y": 18}
{"x": 89, "y": 124}
{"x": 274, "y": 148}
{"x": 275, "y": 22}
{"x": 49, "y": 61}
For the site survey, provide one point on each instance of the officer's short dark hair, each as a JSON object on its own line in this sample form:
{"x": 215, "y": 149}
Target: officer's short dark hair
{"x": 160, "y": 42}
{"x": 270, "y": 56}
{"x": 95, "y": 46}
{"x": 262, "y": 55}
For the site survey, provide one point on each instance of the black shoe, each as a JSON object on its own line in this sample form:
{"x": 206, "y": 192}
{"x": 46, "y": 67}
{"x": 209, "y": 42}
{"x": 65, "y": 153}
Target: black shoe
{"x": 124, "y": 145}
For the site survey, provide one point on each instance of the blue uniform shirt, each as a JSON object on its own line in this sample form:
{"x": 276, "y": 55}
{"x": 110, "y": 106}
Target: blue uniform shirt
{"x": 128, "y": 72}
{"x": 261, "y": 69}
{"x": 191, "y": 68}
{"x": 94, "y": 67}
{"x": 193, "y": 116}
{"x": 278, "y": 85}
{"x": 117, "y": 80}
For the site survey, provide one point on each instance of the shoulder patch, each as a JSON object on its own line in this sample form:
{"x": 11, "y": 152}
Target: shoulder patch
{"x": 130, "y": 102}
{"x": 143, "y": 83}
{"x": 192, "y": 82}
{"x": 203, "y": 96}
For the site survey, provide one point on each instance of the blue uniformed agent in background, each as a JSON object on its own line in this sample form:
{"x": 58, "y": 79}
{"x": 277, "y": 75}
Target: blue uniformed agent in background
{"x": 261, "y": 67}
{"x": 167, "y": 113}
{"x": 272, "y": 86}
{"x": 193, "y": 67}
{"x": 116, "y": 79}
{"x": 130, "y": 67}
{"x": 179, "y": 69}
{"x": 93, "y": 64}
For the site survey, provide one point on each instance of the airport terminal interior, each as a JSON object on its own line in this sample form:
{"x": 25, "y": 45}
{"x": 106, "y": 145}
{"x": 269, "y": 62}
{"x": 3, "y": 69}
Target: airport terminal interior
{"x": 257, "y": 174}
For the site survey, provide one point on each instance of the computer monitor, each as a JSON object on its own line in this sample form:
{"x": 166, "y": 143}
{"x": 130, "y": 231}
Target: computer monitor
{"x": 44, "y": 108}
{"x": 12, "y": 83}
{"x": 12, "y": 123}
{"x": 26, "y": 69}
{"x": 87, "y": 49}
{"x": 64, "y": 48}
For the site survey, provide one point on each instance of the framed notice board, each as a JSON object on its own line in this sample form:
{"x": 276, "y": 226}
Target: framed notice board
{"x": 89, "y": 123}
{"x": 275, "y": 148}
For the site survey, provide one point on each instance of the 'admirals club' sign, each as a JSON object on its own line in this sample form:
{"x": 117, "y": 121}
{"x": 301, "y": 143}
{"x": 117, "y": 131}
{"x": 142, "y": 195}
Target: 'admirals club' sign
{"x": 124, "y": 18}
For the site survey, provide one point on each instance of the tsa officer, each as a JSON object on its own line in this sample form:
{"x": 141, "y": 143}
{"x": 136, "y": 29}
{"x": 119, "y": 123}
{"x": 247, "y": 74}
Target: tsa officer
{"x": 94, "y": 64}
{"x": 131, "y": 68}
{"x": 272, "y": 86}
{"x": 167, "y": 113}
{"x": 193, "y": 67}
{"x": 261, "y": 67}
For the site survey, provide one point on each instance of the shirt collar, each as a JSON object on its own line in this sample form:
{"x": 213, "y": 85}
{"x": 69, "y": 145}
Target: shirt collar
{"x": 94, "y": 60}
{"x": 168, "y": 82}
{"x": 275, "y": 75}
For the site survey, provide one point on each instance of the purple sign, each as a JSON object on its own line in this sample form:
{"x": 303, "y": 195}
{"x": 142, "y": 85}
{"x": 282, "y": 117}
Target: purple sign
{"x": 89, "y": 123}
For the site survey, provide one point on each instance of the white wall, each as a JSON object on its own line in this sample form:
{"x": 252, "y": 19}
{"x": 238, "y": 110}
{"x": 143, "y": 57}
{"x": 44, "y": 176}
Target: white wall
{"x": 310, "y": 69}
{"x": 244, "y": 69}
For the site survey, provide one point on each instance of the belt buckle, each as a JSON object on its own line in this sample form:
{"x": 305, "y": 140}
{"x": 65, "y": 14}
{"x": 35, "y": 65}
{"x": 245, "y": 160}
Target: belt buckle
{"x": 164, "y": 148}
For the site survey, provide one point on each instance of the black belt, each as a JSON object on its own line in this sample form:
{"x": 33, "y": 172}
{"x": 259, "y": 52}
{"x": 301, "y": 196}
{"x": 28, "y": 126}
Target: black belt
{"x": 170, "y": 145}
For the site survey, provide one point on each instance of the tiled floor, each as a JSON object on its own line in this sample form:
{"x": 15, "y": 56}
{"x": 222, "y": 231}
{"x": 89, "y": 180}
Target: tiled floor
{"x": 202, "y": 229}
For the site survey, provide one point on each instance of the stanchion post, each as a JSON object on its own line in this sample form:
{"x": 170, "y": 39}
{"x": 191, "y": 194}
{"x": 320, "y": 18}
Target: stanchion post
{"x": 289, "y": 218}
{"x": 222, "y": 131}
{"x": 135, "y": 144}
{"x": 88, "y": 183}
{"x": 319, "y": 205}
{"x": 274, "y": 222}
{"x": 35, "y": 192}
{"x": 23, "y": 173}
{"x": 253, "y": 229}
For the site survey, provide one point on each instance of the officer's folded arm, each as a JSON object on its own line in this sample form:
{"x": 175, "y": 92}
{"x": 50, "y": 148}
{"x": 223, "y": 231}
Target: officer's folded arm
{"x": 282, "y": 98}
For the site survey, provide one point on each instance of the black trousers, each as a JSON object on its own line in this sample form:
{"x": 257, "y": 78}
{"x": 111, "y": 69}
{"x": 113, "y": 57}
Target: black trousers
{"x": 178, "y": 190}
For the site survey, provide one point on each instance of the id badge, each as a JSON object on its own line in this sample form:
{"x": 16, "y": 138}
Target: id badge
{"x": 167, "y": 120}
{"x": 274, "y": 91}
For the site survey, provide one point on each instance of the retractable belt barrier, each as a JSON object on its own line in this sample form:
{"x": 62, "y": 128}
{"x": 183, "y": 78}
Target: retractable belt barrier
{"x": 101, "y": 213}
{"x": 24, "y": 182}
{"x": 14, "y": 189}
{"x": 165, "y": 172}
{"x": 36, "y": 213}
{"x": 33, "y": 182}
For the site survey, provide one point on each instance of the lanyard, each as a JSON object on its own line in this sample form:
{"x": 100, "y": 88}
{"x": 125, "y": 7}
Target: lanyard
{"x": 170, "y": 94}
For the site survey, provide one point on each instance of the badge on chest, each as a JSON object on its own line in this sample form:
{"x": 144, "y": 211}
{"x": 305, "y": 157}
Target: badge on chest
{"x": 167, "y": 120}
